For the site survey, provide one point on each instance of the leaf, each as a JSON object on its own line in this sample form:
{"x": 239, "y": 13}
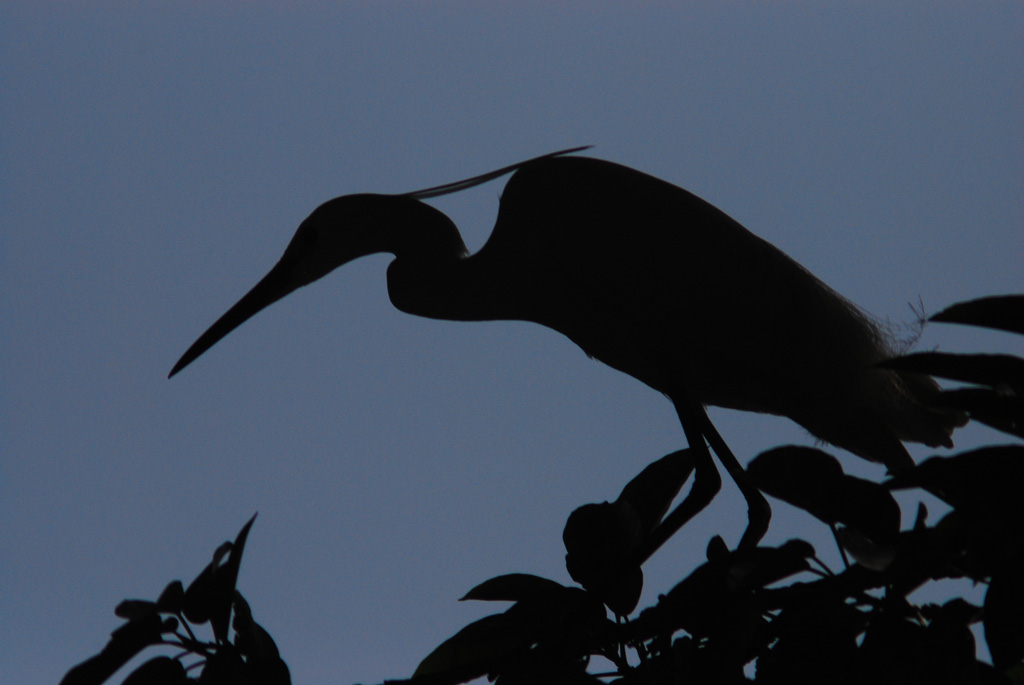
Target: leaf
{"x": 927, "y": 553}
{"x": 1003, "y": 312}
{"x": 513, "y": 587}
{"x": 651, "y": 492}
{"x": 864, "y": 551}
{"x": 950, "y": 640}
{"x": 814, "y": 481}
{"x": 753, "y": 569}
{"x": 134, "y": 609}
{"x": 719, "y": 595}
{"x": 224, "y": 578}
{"x": 1004, "y": 412}
{"x": 599, "y": 541}
{"x": 251, "y": 640}
{"x": 994, "y": 370}
{"x": 1004, "y": 614}
{"x": 983, "y": 484}
{"x": 172, "y": 599}
{"x": 475, "y": 649}
{"x": 270, "y": 672}
{"x": 869, "y": 508}
{"x": 210, "y": 595}
{"x": 161, "y": 670}
{"x": 802, "y": 476}
{"x": 124, "y": 644}
{"x": 223, "y": 667}
{"x": 815, "y": 638}
{"x": 200, "y": 597}
{"x": 497, "y": 642}
{"x": 893, "y": 648}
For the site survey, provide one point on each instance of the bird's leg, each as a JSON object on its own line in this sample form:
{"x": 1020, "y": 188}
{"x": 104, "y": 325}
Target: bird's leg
{"x": 759, "y": 513}
{"x": 706, "y": 484}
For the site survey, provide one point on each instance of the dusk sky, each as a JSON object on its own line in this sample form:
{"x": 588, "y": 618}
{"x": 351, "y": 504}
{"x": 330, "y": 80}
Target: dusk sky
{"x": 157, "y": 158}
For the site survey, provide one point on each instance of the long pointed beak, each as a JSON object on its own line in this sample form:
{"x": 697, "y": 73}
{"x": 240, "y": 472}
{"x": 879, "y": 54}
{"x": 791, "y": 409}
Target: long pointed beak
{"x": 275, "y": 285}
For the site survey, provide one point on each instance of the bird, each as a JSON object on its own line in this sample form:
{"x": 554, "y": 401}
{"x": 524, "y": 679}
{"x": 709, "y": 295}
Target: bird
{"x": 647, "y": 278}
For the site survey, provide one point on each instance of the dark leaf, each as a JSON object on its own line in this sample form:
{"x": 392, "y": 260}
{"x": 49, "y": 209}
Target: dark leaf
{"x": 870, "y": 508}
{"x": 172, "y": 599}
{"x": 651, "y": 492}
{"x": 222, "y": 551}
{"x": 761, "y": 566}
{"x": 950, "y": 642}
{"x": 1004, "y": 412}
{"x": 547, "y": 669}
{"x": 555, "y": 623}
{"x": 994, "y": 370}
{"x": 894, "y": 649}
{"x": 802, "y": 476}
{"x": 161, "y": 670}
{"x": 983, "y": 484}
{"x": 569, "y": 614}
{"x": 251, "y": 640}
{"x": 1004, "y": 613}
{"x": 899, "y": 647}
{"x": 814, "y": 481}
{"x": 717, "y": 550}
{"x": 815, "y": 640}
{"x": 134, "y": 609}
{"x": 695, "y": 604}
{"x": 718, "y": 597}
{"x": 605, "y": 531}
{"x": 599, "y": 540}
{"x": 224, "y": 667}
{"x": 513, "y": 587}
{"x": 476, "y": 649}
{"x": 210, "y": 595}
{"x": 864, "y": 551}
{"x": 269, "y": 672}
{"x": 921, "y": 518}
{"x": 225, "y": 577}
{"x": 1003, "y": 312}
{"x": 198, "y": 601}
{"x": 124, "y": 644}
{"x": 924, "y": 554}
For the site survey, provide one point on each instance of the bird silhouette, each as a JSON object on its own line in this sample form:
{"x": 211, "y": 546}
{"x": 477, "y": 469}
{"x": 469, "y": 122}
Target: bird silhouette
{"x": 647, "y": 278}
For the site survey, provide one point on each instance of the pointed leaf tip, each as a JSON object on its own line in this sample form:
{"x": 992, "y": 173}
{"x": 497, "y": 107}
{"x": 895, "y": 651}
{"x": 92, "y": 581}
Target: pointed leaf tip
{"x": 1002, "y": 312}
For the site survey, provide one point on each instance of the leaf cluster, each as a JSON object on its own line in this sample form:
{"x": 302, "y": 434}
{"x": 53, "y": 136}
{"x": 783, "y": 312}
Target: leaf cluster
{"x": 779, "y": 614}
{"x": 764, "y": 614}
{"x": 250, "y": 659}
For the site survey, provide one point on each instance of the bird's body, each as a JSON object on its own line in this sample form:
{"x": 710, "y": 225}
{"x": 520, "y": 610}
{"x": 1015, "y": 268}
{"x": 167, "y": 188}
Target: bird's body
{"x": 659, "y": 284}
{"x": 647, "y": 278}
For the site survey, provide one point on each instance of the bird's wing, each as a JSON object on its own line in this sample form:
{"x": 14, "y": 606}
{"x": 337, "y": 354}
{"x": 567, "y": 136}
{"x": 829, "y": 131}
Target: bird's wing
{"x": 658, "y": 283}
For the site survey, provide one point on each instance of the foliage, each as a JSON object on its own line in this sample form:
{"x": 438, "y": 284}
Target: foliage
{"x": 252, "y": 659}
{"x": 773, "y": 614}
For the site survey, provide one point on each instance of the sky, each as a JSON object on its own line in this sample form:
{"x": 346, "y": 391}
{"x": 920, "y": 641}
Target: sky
{"x": 158, "y": 157}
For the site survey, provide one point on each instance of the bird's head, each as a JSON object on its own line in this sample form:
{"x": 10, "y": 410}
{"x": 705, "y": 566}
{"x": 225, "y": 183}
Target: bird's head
{"x": 337, "y": 232}
{"x": 350, "y": 227}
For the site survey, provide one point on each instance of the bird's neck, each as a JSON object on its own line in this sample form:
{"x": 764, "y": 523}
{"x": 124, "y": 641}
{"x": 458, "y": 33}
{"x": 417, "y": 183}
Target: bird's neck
{"x": 432, "y": 275}
{"x": 416, "y": 232}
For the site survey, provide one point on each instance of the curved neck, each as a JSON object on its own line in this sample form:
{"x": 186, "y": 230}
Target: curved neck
{"x": 417, "y": 232}
{"x": 432, "y": 274}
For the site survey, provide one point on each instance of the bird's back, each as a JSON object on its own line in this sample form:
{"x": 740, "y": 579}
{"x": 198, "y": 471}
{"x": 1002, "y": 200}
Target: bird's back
{"x": 657, "y": 283}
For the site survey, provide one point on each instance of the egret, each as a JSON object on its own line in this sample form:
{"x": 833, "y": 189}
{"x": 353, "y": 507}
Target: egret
{"x": 647, "y": 278}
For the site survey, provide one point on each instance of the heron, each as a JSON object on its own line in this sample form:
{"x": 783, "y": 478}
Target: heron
{"x": 652, "y": 281}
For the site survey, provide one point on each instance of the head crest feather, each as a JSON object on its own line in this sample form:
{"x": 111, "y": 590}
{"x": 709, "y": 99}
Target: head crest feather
{"x": 456, "y": 186}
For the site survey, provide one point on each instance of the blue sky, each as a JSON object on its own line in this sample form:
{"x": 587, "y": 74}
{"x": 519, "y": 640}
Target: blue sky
{"x": 157, "y": 158}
